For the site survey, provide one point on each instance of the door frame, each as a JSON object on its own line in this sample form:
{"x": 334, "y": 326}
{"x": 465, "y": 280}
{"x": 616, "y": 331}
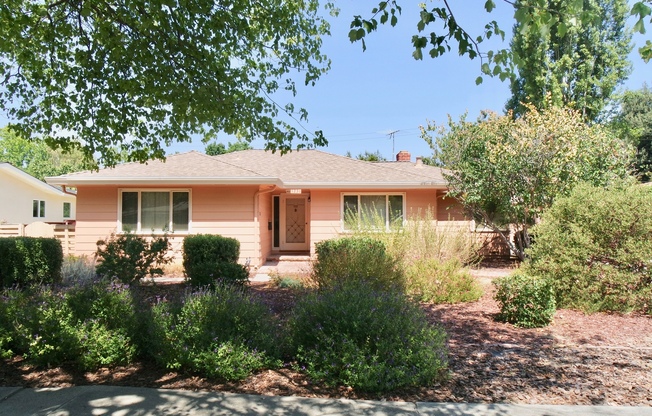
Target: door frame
{"x": 283, "y": 245}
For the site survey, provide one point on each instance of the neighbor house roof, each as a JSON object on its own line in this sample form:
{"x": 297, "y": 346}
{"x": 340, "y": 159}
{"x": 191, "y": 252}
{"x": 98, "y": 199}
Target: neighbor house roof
{"x": 303, "y": 168}
{"x": 28, "y": 179}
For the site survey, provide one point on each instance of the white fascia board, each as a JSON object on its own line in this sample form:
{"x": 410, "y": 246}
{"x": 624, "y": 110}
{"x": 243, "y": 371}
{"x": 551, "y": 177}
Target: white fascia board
{"x": 162, "y": 181}
{"x": 366, "y": 185}
{"x": 26, "y": 177}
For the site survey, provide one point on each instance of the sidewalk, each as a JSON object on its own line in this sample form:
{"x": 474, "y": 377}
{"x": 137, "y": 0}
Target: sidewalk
{"x": 127, "y": 401}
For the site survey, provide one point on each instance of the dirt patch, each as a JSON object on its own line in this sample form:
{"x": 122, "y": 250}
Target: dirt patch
{"x": 601, "y": 359}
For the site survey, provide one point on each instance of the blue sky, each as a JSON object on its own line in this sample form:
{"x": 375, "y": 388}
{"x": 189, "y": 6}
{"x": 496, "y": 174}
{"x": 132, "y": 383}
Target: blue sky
{"x": 367, "y": 94}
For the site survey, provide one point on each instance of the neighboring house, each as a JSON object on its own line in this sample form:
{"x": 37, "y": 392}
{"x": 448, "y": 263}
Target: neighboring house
{"x": 25, "y": 199}
{"x": 270, "y": 203}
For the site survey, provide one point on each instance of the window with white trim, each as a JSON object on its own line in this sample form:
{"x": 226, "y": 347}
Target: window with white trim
{"x": 375, "y": 210}
{"x": 38, "y": 208}
{"x": 156, "y": 210}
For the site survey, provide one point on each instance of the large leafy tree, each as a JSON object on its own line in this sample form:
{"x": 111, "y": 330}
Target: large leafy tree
{"x": 506, "y": 171}
{"x": 126, "y": 77}
{"x": 37, "y": 158}
{"x": 439, "y": 31}
{"x": 633, "y": 122}
{"x": 578, "y": 65}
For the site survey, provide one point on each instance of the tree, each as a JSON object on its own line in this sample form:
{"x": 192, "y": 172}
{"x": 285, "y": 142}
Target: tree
{"x": 369, "y": 156}
{"x": 533, "y": 17}
{"x": 577, "y": 66}
{"x": 506, "y": 172}
{"x": 633, "y": 123}
{"x": 133, "y": 76}
{"x": 214, "y": 149}
{"x": 36, "y": 158}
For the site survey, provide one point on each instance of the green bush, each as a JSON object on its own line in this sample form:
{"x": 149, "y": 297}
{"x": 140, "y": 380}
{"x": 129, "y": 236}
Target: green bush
{"x": 212, "y": 273}
{"x": 220, "y": 333}
{"x": 595, "y": 246}
{"x": 430, "y": 280}
{"x": 130, "y": 258}
{"x": 89, "y": 326}
{"x": 525, "y": 301}
{"x": 212, "y": 259}
{"x": 355, "y": 259}
{"x": 30, "y": 261}
{"x": 370, "y": 340}
{"x": 203, "y": 248}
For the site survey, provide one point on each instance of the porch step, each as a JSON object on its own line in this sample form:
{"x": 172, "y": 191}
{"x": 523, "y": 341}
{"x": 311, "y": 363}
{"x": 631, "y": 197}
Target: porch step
{"x": 284, "y": 264}
{"x": 288, "y": 257}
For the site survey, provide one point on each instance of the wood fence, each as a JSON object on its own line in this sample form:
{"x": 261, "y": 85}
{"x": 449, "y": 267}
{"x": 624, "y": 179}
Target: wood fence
{"x": 64, "y": 232}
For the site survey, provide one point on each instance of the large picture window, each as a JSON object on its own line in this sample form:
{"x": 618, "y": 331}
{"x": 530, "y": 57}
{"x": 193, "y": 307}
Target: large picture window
{"x": 372, "y": 210}
{"x": 144, "y": 211}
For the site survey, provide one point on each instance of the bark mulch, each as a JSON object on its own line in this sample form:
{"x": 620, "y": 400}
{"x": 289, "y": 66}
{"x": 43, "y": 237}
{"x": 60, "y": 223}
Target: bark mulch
{"x": 600, "y": 359}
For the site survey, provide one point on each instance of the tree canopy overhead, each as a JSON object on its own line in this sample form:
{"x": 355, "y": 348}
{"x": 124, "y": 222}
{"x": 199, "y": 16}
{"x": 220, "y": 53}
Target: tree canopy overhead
{"x": 446, "y": 34}
{"x": 119, "y": 77}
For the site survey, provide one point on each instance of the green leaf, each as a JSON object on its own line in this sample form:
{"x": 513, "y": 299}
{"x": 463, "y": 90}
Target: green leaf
{"x": 478, "y": 81}
{"x": 489, "y": 6}
{"x": 418, "y": 54}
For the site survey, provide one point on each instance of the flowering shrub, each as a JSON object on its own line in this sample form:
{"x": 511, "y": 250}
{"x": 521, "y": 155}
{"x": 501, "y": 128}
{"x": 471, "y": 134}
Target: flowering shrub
{"x": 220, "y": 333}
{"x": 371, "y": 340}
{"x": 89, "y": 325}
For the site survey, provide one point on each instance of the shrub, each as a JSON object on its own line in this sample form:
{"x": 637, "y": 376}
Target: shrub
{"x": 371, "y": 340}
{"x": 29, "y": 261}
{"x": 212, "y": 259}
{"x": 45, "y": 329}
{"x": 433, "y": 281}
{"x": 220, "y": 333}
{"x": 103, "y": 347}
{"x": 525, "y": 301}
{"x": 129, "y": 258}
{"x": 354, "y": 259}
{"x": 213, "y": 273}
{"x": 91, "y": 325}
{"x": 595, "y": 246}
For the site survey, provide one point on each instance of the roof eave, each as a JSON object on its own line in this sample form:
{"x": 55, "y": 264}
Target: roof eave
{"x": 133, "y": 181}
{"x": 366, "y": 185}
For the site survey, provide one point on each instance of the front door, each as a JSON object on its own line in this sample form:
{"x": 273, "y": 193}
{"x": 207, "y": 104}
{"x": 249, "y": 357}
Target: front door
{"x": 294, "y": 222}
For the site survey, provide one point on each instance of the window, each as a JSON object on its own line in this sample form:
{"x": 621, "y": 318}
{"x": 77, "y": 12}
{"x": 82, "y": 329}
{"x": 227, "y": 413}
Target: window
{"x": 66, "y": 210}
{"x": 154, "y": 211}
{"x": 38, "y": 208}
{"x": 374, "y": 210}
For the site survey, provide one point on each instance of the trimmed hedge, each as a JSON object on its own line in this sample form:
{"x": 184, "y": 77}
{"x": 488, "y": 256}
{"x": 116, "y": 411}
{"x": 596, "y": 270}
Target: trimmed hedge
{"x": 210, "y": 259}
{"x": 30, "y": 261}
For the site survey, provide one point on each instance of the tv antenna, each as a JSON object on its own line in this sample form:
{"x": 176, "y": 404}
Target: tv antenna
{"x": 390, "y": 135}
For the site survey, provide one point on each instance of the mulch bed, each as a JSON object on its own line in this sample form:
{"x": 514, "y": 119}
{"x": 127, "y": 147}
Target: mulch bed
{"x": 603, "y": 359}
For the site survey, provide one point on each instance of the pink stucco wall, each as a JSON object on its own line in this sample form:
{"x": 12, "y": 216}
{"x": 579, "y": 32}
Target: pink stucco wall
{"x": 230, "y": 211}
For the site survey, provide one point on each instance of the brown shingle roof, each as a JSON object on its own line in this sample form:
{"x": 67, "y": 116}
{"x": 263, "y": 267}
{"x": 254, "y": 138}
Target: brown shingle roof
{"x": 303, "y": 168}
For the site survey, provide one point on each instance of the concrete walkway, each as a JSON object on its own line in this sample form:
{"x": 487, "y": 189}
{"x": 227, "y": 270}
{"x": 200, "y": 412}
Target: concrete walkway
{"x": 127, "y": 401}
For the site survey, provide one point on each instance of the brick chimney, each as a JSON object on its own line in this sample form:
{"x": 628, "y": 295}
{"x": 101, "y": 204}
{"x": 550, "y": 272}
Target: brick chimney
{"x": 403, "y": 156}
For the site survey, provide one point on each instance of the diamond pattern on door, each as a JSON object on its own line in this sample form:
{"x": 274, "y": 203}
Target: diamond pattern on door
{"x": 295, "y": 220}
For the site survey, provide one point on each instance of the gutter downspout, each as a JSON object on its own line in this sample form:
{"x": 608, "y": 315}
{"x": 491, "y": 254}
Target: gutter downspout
{"x": 257, "y": 241}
